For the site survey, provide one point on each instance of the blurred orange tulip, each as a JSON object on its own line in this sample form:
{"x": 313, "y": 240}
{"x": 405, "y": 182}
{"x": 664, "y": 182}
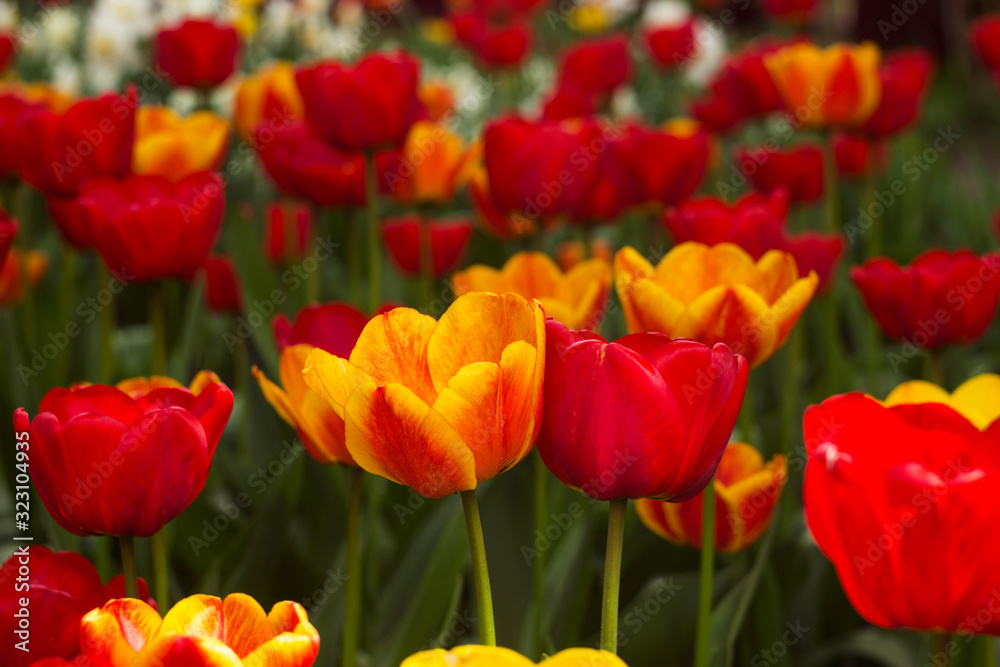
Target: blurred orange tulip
{"x": 200, "y": 631}
{"x": 575, "y": 298}
{"x": 833, "y": 86}
{"x": 269, "y": 94}
{"x": 175, "y": 147}
{"x": 715, "y": 295}
{"x": 432, "y": 165}
{"x": 746, "y": 492}
{"x": 20, "y": 265}
{"x": 439, "y": 98}
{"x": 440, "y": 405}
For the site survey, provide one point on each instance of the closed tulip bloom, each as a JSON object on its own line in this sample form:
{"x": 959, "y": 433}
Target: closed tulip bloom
{"x": 138, "y": 387}
{"x": 854, "y": 155}
{"x": 12, "y": 105}
{"x": 431, "y": 167}
{"x": 746, "y": 491}
{"x": 287, "y": 232}
{"x": 200, "y": 631}
{"x": 174, "y": 147}
{"x": 107, "y": 464}
{"x": 901, "y": 500}
{"x": 440, "y": 405}
{"x": 671, "y": 46}
{"x": 976, "y": 399}
{"x": 715, "y": 295}
{"x": 790, "y": 11}
{"x": 599, "y": 65}
{"x": 223, "y": 292}
{"x": 754, "y": 223}
{"x": 498, "y": 222}
{"x": 798, "y": 171}
{"x": 942, "y": 297}
{"x": 742, "y": 89}
{"x": 63, "y": 587}
{"x": 614, "y": 187}
{"x": 569, "y": 100}
{"x": 834, "y": 86}
{"x": 269, "y": 96}
{"x": 496, "y": 656}
{"x": 576, "y": 298}
{"x": 376, "y": 100}
{"x": 663, "y": 438}
{"x": 905, "y": 76}
{"x": 439, "y": 99}
{"x": 816, "y": 252}
{"x": 668, "y": 164}
{"x": 495, "y": 43}
{"x": 197, "y": 53}
{"x": 21, "y": 264}
{"x": 405, "y": 238}
{"x": 985, "y": 37}
{"x": 8, "y": 231}
{"x": 148, "y": 228}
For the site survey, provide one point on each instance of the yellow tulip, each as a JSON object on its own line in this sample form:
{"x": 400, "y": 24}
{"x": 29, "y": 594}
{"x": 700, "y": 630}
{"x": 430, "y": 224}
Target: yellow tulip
{"x": 175, "y": 147}
{"x": 978, "y": 399}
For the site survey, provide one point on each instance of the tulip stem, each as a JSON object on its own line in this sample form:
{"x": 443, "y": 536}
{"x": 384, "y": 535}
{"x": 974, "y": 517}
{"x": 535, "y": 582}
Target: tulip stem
{"x": 354, "y": 251}
{"x": 613, "y": 574}
{"x": 541, "y": 508}
{"x": 484, "y": 597}
{"x": 352, "y": 587}
{"x": 935, "y": 367}
{"x": 940, "y": 655}
{"x": 128, "y": 566}
{"x": 426, "y": 264}
{"x": 831, "y": 186}
{"x": 107, "y": 368}
{"x": 374, "y": 254}
{"x": 160, "y": 563}
{"x": 707, "y": 572}
{"x": 158, "y": 318}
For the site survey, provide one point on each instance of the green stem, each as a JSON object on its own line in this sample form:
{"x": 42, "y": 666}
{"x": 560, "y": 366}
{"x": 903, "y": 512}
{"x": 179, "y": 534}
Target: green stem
{"x": 68, "y": 298}
{"x": 541, "y": 511}
{"x": 707, "y": 571}
{"x": 935, "y": 367}
{"x": 242, "y": 375}
{"x": 612, "y": 574}
{"x": 158, "y": 318}
{"x": 128, "y": 567}
{"x": 107, "y": 325}
{"x": 793, "y": 352}
{"x": 374, "y": 237}
{"x": 831, "y": 186}
{"x": 426, "y": 264}
{"x": 940, "y": 655}
{"x": 484, "y": 597}
{"x": 354, "y": 251}
{"x": 834, "y": 352}
{"x": 874, "y": 245}
{"x": 160, "y": 569}
{"x": 352, "y": 590}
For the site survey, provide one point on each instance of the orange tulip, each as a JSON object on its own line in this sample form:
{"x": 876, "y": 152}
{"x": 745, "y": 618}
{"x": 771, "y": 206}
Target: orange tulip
{"x": 268, "y": 94}
{"x": 175, "y": 147}
{"x": 977, "y": 399}
{"x": 570, "y": 253}
{"x": 439, "y": 99}
{"x": 433, "y": 164}
{"x": 495, "y": 656}
{"x": 440, "y": 405}
{"x": 200, "y": 631}
{"x": 20, "y": 265}
{"x": 837, "y": 85}
{"x": 746, "y": 492}
{"x": 715, "y": 295}
{"x": 575, "y": 298}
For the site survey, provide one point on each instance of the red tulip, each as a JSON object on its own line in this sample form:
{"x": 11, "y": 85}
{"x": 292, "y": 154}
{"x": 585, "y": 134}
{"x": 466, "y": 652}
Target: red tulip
{"x": 902, "y": 501}
{"x": 8, "y": 49}
{"x": 332, "y": 326}
{"x": 791, "y": 11}
{"x": 942, "y": 297}
{"x": 855, "y": 155}
{"x": 448, "y": 239}
{"x": 985, "y": 37}
{"x": 222, "y": 285}
{"x": 598, "y": 65}
{"x": 148, "y": 228}
{"x": 754, "y": 223}
{"x": 64, "y": 586}
{"x": 12, "y": 107}
{"x": 615, "y": 187}
{"x": 663, "y": 438}
{"x": 905, "y": 75}
{"x": 817, "y": 252}
{"x": 8, "y": 230}
{"x": 569, "y": 101}
{"x": 288, "y": 232}
{"x": 108, "y": 464}
{"x": 799, "y": 170}
{"x": 669, "y": 166}
{"x": 495, "y": 45}
{"x": 743, "y": 89}
{"x": 68, "y": 217}
{"x": 671, "y": 46}
{"x": 376, "y": 101}
{"x": 198, "y": 53}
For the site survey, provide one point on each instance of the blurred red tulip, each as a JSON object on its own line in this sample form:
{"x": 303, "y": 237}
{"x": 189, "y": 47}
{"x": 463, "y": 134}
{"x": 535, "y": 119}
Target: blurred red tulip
{"x": 504, "y": 44}
{"x": 798, "y": 170}
{"x": 105, "y": 463}
{"x": 376, "y": 101}
{"x": 905, "y": 75}
{"x": 743, "y": 89}
{"x": 669, "y": 166}
{"x": 21, "y": 265}
{"x": 661, "y": 439}
{"x": 615, "y": 187}
{"x": 790, "y": 11}
{"x": 448, "y": 240}
{"x": 63, "y": 587}
{"x": 902, "y": 501}
{"x": 498, "y": 222}
{"x": 817, "y": 252}
{"x": 223, "y": 292}
{"x": 8, "y": 49}
{"x": 569, "y": 101}
{"x": 148, "y": 228}
{"x": 598, "y": 65}
{"x": 854, "y": 155}
{"x": 8, "y": 230}
{"x": 332, "y": 326}
{"x": 942, "y": 297}
{"x": 197, "y": 53}
{"x": 755, "y": 223}
{"x": 671, "y": 46}
{"x": 287, "y": 232}
{"x": 12, "y": 107}
{"x": 985, "y": 37}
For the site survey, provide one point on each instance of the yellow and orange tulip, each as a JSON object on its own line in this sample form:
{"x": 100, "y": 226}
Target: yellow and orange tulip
{"x": 714, "y": 295}
{"x": 200, "y": 631}
{"x": 439, "y": 99}
{"x": 440, "y": 406}
{"x": 977, "y": 399}
{"x": 834, "y": 86}
{"x": 433, "y": 164}
{"x": 576, "y": 298}
{"x": 21, "y": 265}
{"x": 746, "y": 492}
{"x": 495, "y": 656}
{"x": 175, "y": 147}
{"x": 270, "y": 91}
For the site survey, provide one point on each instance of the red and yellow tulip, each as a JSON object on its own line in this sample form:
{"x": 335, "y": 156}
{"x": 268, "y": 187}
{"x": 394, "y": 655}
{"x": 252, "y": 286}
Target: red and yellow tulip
{"x": 269, "y": 94}
{"x": 433, "y": 164}
{"x": 977, "y": 399}
{"x": 175, "y": 147}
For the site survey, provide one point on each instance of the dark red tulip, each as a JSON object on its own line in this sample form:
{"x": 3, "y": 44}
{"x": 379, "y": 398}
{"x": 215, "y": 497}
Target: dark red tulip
{"x": 905, "y": 75}
{"x": 197, "y": 53}
{"x": 12, "y": 107}
{"x": 223, "y": 292}
{"x": 671, "y": 46}
{"x": 799, "y": 170}
{"x": 902, "y": 500}
{"x": 287, "y": 232}
{"x": 661, "y": 439}
{"x": 942, "y": 297}
{"x": 598, "y": 65}
{"x": 8, "y": 48}
{"x": 985, "y": 37}
{"x": 495, "y": 44}
{"x": 8, "y": 230}
{"x": 332, "y": 326}
{"x": 742, "y": 90}
{"x": 790, "y": 11}
{"x": 817, "y": 252}
{"x": 377, "y": 100}
{"x": 668, "y": 166}
{"x": 108, "y": 464}
{"x": 64, "y": 586}
{"x": 148, "y": 228}
{"x": 570, "y": 101}
{"x": 68, "y": 217}
{"x": 614, "y": 185}
{"x": 754, "y": 223}
{"x": 448, "y": 239}
{"x": 855, "y": 155}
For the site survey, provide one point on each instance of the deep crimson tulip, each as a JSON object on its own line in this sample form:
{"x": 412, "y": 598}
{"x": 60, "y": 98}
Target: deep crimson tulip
{"x": 791, "y": 11}
{"x": 376, "y": 101}
{"x": 8, "y": 230}
{"x": 902, "y": 500}
{"x": 148, "y": 228}
{"x": 755, "y": 223}
{"x": 671, "y": 46}
{"x": 287, "y": 232}
{"x": 569, "y": 101}
{"x": 663, "y": 438}
{"x": 855, "y": 155}
{"x": 8, "y": 48}
{"x": 985, "y": 37}
{"x": 905, "y": 75}
{"x": 668, "y": 166}
{"x": 223, "y": 291}
{"x": 92, "y": 138}
{"x": 817, "y": 252}
{"x": 198, "y": 53}
{"x": 598, "y": 65}
{"x": 68, "y": 217}
{"x": 942, "y": 297}
{"x": 63, "y": 587}
{"x": 503, "y": 44}
{"x": 12, "y": 107}
{"x": 108, "y": 464}
{"x": 448, "y": 240}
{"x": 614, "y": 185}
{"x": 799, "y": 170}
{"x": 741, "y": 90}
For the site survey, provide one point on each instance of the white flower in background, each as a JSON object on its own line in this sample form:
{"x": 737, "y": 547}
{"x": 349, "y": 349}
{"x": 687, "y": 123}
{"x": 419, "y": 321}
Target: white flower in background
{"x": 137, "y": 16}
{"x": 625, "y": 102}
{"x": 278, "y": 21}
{"x": 115, "y": 31}
{"x": 67, "y": 77}
{"x": 710, "y": 52}
{"x": 8, "y": 16}
{"x": 665, "y": 14}
{"x": 174, "y": 11}
{"x": 61, "y": 29}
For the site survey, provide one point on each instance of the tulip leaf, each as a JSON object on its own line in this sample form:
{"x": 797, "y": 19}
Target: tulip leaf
{"x": 884, "y": 647}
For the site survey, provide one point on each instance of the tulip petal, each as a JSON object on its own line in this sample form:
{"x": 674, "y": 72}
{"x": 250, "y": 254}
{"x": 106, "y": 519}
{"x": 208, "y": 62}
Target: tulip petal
{"x": 277, "y": 397}
{"x": 191, "y": 651}
{"x": 112, "y": 635}
{"x": 583, "y": 657}
{"x": 979, "y": 399}
{"x": 691, "y": 268}
{"x": 789, "y": 306}
{"x": 393, "y": 348}
{"x": 333, "y": 379}
{"x": 246, "y": 625}
{"x": 287, "y": 650}
{"x": 778, "y": 272}
{"x": 322, "y": 429}
{"x": 198, "y": 615}
{"x": 735, "y": 316}
{"x": 100, "y": 399}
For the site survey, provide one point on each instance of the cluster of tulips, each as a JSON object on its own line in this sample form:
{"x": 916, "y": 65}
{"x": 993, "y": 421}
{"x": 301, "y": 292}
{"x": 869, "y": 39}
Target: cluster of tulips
{"x": 504, "y": 360}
